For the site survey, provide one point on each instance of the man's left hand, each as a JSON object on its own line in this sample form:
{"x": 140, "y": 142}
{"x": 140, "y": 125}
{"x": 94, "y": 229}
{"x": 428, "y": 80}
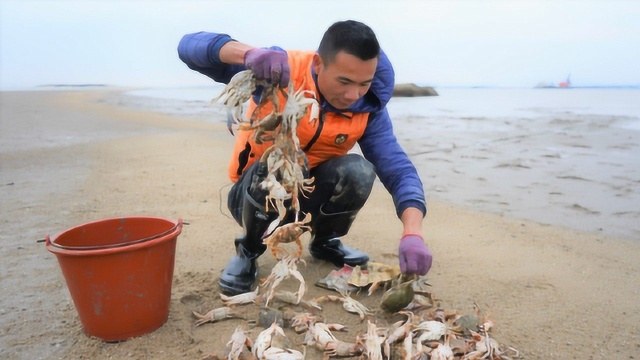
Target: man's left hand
{"x": 414, "y": 255}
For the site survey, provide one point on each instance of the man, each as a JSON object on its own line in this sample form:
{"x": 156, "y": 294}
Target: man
{"x": 353, "y": 81}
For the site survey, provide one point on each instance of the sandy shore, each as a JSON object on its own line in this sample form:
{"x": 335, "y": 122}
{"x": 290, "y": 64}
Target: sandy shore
{"x": 67, "y": 158}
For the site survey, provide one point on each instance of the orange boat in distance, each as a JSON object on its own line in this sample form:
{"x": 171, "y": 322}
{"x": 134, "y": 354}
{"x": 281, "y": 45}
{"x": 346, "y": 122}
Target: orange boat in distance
{"x": 561, "y": 85}
{"x": 565, "y": 84}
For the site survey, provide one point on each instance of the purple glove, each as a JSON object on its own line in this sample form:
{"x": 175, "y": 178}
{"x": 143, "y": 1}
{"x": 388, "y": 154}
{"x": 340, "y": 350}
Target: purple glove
{"x": 414, "y": 256}
{"x": 270, "y": 65}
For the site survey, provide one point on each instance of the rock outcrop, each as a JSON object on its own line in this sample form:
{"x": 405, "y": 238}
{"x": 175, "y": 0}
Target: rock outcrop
{"x": 410, "y": 90}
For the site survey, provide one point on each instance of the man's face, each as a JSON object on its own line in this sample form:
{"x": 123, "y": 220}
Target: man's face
{"x": 345, "y": 80}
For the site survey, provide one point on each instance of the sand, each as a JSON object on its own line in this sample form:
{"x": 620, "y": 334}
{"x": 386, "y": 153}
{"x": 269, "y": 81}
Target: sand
{"x": 68, "y": 157}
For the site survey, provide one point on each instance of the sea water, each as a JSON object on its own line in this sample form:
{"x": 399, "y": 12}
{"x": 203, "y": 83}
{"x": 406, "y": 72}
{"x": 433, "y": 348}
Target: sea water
{"x": 568, "y": 157}
{"x": 460, "y": 102}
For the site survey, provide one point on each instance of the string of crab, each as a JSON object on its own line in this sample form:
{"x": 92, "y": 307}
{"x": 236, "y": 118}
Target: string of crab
{"x": 426, "y": 332}
{"x": 285, "y": 160}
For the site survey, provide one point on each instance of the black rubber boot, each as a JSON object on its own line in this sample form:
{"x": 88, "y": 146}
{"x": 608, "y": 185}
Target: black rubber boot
{"x": 325, "y": 241}
{"x": 241, "y": 271}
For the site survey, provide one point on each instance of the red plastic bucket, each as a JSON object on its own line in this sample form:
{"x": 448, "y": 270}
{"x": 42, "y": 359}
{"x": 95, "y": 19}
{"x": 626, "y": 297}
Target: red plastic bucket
{"x": 119, "y": 273}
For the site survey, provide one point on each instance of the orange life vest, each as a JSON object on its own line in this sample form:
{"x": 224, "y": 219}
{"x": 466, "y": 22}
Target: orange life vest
{"x": 333, "y": 134}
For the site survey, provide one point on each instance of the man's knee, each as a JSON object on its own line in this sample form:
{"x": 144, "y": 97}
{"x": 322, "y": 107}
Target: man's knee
{"x": 357, "y": 170}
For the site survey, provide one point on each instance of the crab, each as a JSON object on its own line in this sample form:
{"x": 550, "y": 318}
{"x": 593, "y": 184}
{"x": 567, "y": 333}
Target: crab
{"x": 284, "y": 268}
{"x": 286, "y": 162}
{"x": 274, "y": 353}
{"x": 264, "y": 129}
{"x": 319, "y": 335}
{"x": 429, "y": 330}
{"x": 237, "y": 92}
{"x": 263, "y": 341}
{"x": 301, "y": 322}
{"x": 295, "y": 108}
{"x": 400, "y": 331}
{"x": 238, "y": 342}
{"x": 287, "y": 233}
{"x": 276, "y": 196}
{"x": 215, "y": 315}
{"x": 265, "y": 126}
{"x": 485, "y": 348}
{"x": 376, "y": 275}
{"x": 442, "y": 351}
{"x": 293, "y": 299}
{"x": 348, "y": 303}
{"x": 422, "y": 301}
{"x": 240, "y": 299}
{"x": 398, "y": 296}
{"x": 339, "y": 348}
{"x": 372, "y": 342}
{"x": 407, "y": 346}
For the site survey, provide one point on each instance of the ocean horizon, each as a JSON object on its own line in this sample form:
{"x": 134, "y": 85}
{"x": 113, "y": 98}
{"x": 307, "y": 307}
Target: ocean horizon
{"x": 451, "y": 101}
{"x": 566, "y": 157}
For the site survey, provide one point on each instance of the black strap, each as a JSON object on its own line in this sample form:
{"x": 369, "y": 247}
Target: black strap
{"x": 243, "y": 158}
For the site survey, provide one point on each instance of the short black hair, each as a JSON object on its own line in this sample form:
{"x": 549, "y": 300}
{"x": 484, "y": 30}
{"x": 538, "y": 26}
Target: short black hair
{"x": 350, "y": 36}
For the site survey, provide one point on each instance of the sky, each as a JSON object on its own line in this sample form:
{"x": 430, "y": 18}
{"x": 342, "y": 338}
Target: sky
{"x": 430, "y": 42}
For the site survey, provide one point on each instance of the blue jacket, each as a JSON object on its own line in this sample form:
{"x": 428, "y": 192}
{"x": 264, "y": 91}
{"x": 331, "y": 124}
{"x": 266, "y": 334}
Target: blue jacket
{"x": 199, "y": 51}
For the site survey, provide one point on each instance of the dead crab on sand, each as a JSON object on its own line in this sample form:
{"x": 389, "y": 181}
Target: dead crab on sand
{"x": 348, "y": 303}
{"x": 214, "y": 315}
{"x": 284, "y": 268}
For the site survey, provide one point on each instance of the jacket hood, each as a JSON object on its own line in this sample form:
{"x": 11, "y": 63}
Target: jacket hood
{"x": 383, "y": 83}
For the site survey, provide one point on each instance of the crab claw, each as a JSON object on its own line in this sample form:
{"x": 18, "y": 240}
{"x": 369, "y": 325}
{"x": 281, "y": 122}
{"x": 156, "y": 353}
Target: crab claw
{"x": 272, "y": 226}
{"x": 230, "y": 123}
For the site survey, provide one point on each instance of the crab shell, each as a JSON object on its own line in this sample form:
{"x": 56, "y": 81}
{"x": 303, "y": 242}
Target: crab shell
{"x": 376, "y": 274}
{"x": 398, "y": 297}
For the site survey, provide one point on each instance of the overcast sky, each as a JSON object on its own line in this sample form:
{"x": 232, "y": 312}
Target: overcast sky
{"x": 440, "y": 43}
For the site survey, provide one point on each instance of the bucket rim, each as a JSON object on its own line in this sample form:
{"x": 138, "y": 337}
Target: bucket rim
{"x": 54, "y": 247}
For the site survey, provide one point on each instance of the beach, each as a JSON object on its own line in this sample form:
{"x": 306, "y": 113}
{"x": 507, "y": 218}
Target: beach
{"x": 555, "y": 292}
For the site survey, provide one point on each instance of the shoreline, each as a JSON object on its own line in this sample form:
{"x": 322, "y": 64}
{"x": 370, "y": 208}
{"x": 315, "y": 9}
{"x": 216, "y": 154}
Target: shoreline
{"x": 553, "y": 292}
{"x": 573, "y": 170}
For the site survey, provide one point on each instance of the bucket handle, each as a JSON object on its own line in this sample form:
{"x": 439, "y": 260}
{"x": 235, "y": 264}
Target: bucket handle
{"x": 164, "y": 233}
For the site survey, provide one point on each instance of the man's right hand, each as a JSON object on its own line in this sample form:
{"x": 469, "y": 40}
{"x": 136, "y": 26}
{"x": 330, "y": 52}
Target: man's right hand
{"x": 269, "y": 65}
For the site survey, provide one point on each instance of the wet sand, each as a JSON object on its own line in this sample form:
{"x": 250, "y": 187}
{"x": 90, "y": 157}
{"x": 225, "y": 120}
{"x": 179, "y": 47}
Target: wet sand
{"x": 68, "y": 157}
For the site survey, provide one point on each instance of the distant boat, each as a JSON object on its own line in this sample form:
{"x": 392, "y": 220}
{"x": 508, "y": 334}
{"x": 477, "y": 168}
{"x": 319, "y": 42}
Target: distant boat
{"x": 565, "y": 84}
{"x": 561, "y": 85}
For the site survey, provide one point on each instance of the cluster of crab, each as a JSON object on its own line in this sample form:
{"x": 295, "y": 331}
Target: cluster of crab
{"x": 273, "y": 120}
{"x": 426, "y": 331}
